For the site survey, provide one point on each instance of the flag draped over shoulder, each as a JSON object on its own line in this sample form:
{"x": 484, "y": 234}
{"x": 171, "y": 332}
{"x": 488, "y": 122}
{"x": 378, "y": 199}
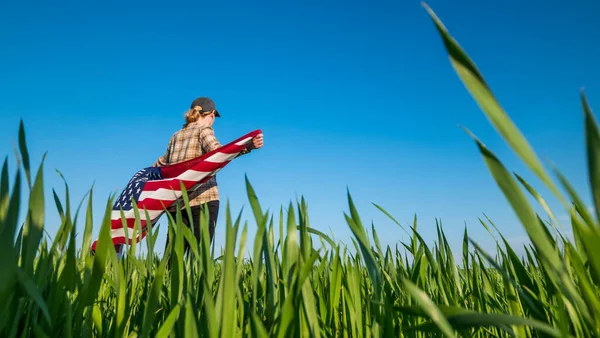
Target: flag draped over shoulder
{"x": 154, "y": 189}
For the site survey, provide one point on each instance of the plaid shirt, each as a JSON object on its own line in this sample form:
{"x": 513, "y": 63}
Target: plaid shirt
{"x": 190, "y": 142}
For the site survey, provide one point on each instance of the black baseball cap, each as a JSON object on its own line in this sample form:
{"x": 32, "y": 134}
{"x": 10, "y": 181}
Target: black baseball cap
{"x": 206, "y": 104}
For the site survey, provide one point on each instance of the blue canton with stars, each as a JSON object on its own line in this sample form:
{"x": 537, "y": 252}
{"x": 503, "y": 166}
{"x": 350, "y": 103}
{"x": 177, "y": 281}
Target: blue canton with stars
{"x": 135, "y": 186}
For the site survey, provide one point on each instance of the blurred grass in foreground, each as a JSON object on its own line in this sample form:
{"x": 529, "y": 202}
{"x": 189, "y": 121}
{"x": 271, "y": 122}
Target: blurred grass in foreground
{"x": 290, "y": 289}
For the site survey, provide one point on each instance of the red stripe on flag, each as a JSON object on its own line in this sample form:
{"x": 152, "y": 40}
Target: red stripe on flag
{"x": 118, "y": 223}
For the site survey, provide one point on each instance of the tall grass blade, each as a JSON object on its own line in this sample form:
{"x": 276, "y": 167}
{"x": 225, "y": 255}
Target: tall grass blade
{"x": 477, "y": 86}
{"x": 4, "y": 195}
{"x": 533, "y": 225}
{"x": 153, "y": 302}
{"x": 9, "y": 261}
{"x": 104, "y": 244}
{"x": 24, "y": 153}
{"x": 361, "y": 236}
{"x": 87, "y": 232}
{"x": 592, "y": 137}
{"x": 34, "y": 223}
{"x": 538, "y": 198}
{"x": 429, "y": 308}
{"x": 462, "y": 319}
{"x": 191, "y": 326}
{"x": 167, "y": 326}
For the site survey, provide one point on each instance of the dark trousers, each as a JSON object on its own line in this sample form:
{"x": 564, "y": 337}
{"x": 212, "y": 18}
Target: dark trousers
{"x": 213, "y": 213}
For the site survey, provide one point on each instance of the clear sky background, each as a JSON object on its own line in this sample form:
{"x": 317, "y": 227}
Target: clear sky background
{"x": 350, "y": 95}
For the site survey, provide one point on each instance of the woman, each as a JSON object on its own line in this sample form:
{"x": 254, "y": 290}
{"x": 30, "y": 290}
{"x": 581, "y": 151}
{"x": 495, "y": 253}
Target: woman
{"x": 197, "y": 137}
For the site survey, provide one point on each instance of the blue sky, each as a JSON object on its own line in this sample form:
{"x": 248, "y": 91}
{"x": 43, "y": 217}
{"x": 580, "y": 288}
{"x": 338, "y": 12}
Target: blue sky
{"x": 350, "y": 95}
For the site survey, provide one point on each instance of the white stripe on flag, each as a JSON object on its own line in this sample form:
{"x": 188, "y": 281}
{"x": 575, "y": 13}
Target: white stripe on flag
{"x": 117, "y": 232}
{"x": 220, "y": 157}
{"x": 160, "y": 194}
{"x": 193, "y": 175}
{"x": 116, "y": 214}
{"x": 243, "y": 141}
{"x": 121, "y": 233}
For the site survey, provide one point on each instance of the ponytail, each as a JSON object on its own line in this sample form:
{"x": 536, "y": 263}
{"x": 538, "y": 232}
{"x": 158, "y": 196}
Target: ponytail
{"x": 191, "y": 116}
{"x": 194, "y": 115}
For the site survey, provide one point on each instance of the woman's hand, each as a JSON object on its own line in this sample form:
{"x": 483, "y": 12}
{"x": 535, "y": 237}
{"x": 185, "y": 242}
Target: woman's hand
{"x": 258, "y": 141}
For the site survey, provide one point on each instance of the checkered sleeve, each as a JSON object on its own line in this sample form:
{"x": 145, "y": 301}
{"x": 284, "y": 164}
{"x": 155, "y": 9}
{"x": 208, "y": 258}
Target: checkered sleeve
{"x": 208, "y": 140}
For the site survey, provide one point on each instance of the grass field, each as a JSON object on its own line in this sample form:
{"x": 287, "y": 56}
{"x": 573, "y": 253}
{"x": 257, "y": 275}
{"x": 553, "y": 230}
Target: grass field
{"x": 290, "y": 289}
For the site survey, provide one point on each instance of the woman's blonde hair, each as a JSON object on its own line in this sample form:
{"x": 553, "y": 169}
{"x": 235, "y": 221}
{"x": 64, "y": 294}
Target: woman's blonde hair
{"x": 194, "y": 115}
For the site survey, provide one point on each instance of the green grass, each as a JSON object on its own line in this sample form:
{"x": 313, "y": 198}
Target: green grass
{"x": 288, "y": 288}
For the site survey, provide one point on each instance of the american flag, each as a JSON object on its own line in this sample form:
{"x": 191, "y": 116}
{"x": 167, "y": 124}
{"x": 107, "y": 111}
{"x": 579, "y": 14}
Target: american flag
{"x": 154, "y": 189}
